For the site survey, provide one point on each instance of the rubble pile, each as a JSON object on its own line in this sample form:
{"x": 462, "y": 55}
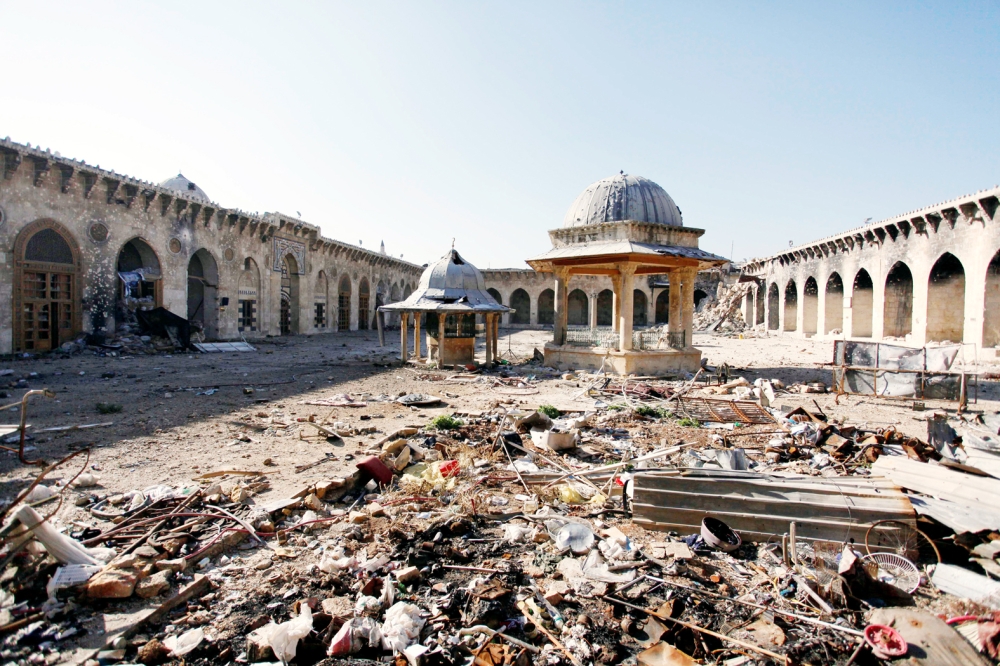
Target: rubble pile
{"x": 673, "y": 522}
{"x": 725, "y": 314}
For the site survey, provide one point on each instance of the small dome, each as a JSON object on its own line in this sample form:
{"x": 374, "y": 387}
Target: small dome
{"x": 452, "y": 274}
{"x": 181, "y": 184}
{"x": 623, "y": 197}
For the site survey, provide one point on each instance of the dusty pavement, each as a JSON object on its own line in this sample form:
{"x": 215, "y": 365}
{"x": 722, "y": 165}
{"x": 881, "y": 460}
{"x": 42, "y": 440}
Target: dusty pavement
{"x": 187, "y": 415}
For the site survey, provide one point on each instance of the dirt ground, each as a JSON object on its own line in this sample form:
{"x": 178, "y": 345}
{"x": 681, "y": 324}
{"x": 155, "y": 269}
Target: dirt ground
{"x": 185, "y": 415}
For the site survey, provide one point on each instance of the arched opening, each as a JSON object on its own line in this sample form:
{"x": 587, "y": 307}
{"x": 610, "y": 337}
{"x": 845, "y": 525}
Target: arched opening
{"x": 897, "y": 312}
{"x": 833, "y": 310}
{"x": 138, "y": 279}
{"x": 810, "y": 306}
{"x": 203, "y": 290}
{"x": 605, "y": 307}
{"x": 364, "y": 297}
{"x": 772, "y": 307}
{"x": 991, "y": 318}
{"x": 320, "y": 298}
{"x": 578, "y": 308}
{"x": 640, "y": 308}
{"x": 46, "y": 288}
{"x": 700, "y": 299}
{"x": 521, "y": 303}
{"x": 946, "y": 300}
{"x": 759, "y": 303}
{"x": 248, "y": 296}
{"x": 791, "y": 306}
{"x": 862, "y": 305}
{"x": 344, "y": 304}
{"x": 748, "y": 307}
{"x": 547, "y": 307}
{"x": 662, "y": 312}
{"x": 495, "y": 294}
{"x": 407, "y": 292}
{"x": 289, "y": 295}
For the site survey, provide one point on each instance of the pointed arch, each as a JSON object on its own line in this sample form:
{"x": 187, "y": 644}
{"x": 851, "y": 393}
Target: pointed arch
{"x": 578, "y": 311}
{"x": 640, "y": 308}
{"x": 521, "y": 302}
{"x": 791, "y": 306}
{"x": 47, "y": 309}
{"x": 773, "y": 302}
{"x": 605, "y": 307}
{"x": 344, "y": 304}
{"x": 946, "y": 300}
{"x": 862, "y": 305}
{"x": 139, "y": 279}
{"x": 991, "y": 316}
{"x": 897, "y": 311}
{"x": 810, "y": 307}
{"x": 547, "y": 307}
{"x": 364, "y": 304}
{"x": 661, "y": 314}
{"x": 202, "y": 292}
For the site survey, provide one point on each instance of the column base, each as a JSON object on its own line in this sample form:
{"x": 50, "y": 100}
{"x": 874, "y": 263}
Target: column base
{"x": 648, "y": 362}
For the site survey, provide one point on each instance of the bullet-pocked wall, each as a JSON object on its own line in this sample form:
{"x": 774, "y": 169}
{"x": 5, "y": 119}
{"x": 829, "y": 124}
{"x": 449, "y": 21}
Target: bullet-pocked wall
{"x": 931, "y": 275}
{"x": 68, "y": 229}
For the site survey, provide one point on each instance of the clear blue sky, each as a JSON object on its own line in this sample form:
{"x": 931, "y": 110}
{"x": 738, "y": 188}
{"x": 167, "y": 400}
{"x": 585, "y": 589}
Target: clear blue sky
{"x": 415, "y": 122}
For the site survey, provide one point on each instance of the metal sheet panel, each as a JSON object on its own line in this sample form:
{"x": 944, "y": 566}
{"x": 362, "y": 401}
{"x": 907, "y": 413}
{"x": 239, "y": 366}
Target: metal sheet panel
{"x": 975, "y": 491}
{"x": 762, "y": 506}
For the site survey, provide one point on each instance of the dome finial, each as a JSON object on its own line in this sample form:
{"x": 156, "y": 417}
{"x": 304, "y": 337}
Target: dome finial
{"x": 453, "y": 243}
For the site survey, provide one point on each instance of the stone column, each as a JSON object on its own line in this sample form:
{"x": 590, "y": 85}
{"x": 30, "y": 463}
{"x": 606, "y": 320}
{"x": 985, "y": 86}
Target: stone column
{"x": 488, "y": 330}
{"x": 402, "y": 335}
{"x": 687, "y": 304}
{"x": 627, "y": 273}
{"x": 674, "y": 301}
{"x": 616, "y": 301}
{"x": 562, "y": 305}
{"x": 593, "y": 311}
{"x": 416, "y": 334}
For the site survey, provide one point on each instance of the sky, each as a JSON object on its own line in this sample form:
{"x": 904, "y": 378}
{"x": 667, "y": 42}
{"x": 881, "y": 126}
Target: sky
{"x": 415, "y": 123}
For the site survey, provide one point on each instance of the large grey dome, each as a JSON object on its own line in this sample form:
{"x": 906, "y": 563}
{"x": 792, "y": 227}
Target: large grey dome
{"x": 181, "y": 184}
{"x": 623, "y": 197}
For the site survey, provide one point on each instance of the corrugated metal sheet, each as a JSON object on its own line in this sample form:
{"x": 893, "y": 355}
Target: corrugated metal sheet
{"x": 761, "y": 506}
{"x": 978, "y": 492}
{"x": 966, "y": 584}
{"x": 959, "y": 517}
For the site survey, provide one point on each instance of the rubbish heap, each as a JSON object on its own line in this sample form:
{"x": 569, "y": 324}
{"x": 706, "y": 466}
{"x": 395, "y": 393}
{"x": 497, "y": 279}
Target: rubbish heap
{"x": 675, "y": 522}
{"x": 724, "y": 314}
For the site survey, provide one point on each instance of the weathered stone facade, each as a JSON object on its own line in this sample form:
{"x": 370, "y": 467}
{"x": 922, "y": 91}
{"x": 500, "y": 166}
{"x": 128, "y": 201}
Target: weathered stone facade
{"x": 532, "y": 295}
{"x": 68, "y": 228}
{"x": 930, "y": 275}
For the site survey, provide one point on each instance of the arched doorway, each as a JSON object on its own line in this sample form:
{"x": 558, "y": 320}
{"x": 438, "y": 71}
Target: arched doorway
{"x": 699, "y": 299}
{"x": 991, "y": 318}
{"x": 248, "y": 297}
{"x": 862, "y": 305}
{"x": 810, "y": 306}
{"x": 791, "y": 306}
{"x": 344, "y": 304}
{"x": 364, "y": 305}
{"x": 640, "y": 308}
{"x": 661, "y": 314}
{"x": 203, "y": 289}
{"x": 46, "y": 287}
{"x": 521, "y": 303}
{"x": 139, "y": 284}
{"x": 897, "y": 312}
{"x": 772, "y": 307}
{"x": 946, "y": 300}
{"x": 833, "y": 310}
{"x": 578, "y": 310}
{"x": 605, "y": 307}
{"x": 320, "y": 301}
{"x": 289, "y": 322}
{"x": 547, "y": 307}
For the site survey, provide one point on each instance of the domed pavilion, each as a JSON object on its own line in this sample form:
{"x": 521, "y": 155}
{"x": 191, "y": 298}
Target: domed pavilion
{"x": 622, "y": 227}
{"x": 451, "y": 294}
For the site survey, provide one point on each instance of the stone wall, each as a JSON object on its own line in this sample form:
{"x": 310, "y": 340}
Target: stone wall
{"x": 98, "y": 213}
{"x": 929, "y": 275}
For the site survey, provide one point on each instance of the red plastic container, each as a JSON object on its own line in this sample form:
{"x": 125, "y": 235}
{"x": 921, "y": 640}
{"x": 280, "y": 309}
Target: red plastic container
{"x": 376, "y": 469}
{"x": 450, "y": 468}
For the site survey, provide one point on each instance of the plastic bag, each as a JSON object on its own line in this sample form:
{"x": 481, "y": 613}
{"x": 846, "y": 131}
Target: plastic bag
{"x": 186, "y": 642}
{"x": 284, "y": 638}
{"x": 401, "y": 626}
{"x": 354, "y": 635}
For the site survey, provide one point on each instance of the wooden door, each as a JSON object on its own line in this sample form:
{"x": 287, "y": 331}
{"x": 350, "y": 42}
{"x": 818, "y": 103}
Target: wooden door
{"x": 47, "y": 309}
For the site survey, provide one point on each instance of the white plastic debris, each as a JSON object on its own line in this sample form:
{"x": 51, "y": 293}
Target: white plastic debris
{"x": 70, "y": 575}
{"x": 354, "y": 635}
{"x": 515, "y": 533}
{"x": 186, "y": 642}
{"x": 284, "y": 638}
{"x": 59, "y": 546}
{"x": 401, "y": 626}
